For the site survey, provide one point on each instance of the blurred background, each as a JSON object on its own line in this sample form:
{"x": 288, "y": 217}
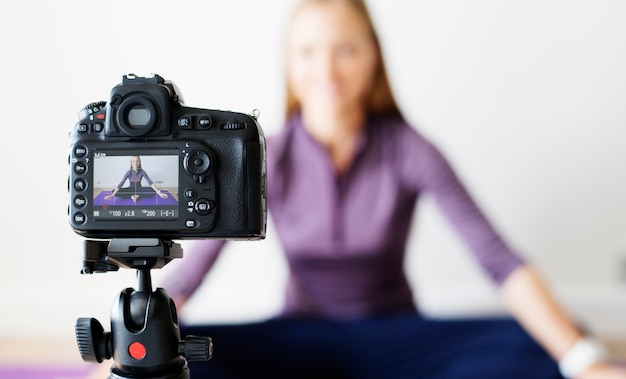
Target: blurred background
{"x": 525, "y": 98}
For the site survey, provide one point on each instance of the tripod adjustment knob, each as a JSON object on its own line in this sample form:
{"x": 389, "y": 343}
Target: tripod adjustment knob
{"x": 196, "y": 348}
{"x": 93, "y": 342}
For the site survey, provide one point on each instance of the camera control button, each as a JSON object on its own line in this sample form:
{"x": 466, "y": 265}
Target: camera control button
{"x": 197, "y": 162}
{"x": 184, "y": 123}
{"x": 203, "y": 207}
{"x": 190, "y": 193}
{"x": 190, "y": 223}
{"x": 80, "y": 185}
{"x": 82, "y": 128}
{"x": 205, "y": 122}
{"x": 98, "y": 128}
{"x": 80, "y": 168}
{"x": 80, "y": 151}
{"x": 79, "y": 218}
{"x": 80, "y": 201}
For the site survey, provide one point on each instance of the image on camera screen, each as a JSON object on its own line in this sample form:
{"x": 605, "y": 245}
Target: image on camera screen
{"x": 135, "y": 185}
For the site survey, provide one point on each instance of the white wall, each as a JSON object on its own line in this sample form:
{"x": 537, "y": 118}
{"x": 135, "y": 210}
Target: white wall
{"x": 525, "y": 98}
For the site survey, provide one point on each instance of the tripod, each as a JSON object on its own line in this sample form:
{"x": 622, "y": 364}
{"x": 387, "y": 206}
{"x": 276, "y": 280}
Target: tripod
{"x": 144, "y": 340}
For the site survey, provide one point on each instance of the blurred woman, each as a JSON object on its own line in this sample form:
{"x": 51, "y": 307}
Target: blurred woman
{"x": 343, "y": 178}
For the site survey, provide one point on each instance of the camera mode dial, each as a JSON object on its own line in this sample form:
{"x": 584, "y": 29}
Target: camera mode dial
{"x": 90, "y": 109}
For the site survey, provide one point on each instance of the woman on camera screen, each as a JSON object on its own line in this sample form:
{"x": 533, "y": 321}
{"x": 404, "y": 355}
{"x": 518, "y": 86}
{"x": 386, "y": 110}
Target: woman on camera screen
{"x": 135, "y": 190}
{"x": 344, "y": 175}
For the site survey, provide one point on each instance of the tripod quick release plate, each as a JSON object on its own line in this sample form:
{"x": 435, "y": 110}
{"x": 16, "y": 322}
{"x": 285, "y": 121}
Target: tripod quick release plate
{"x": 136, "y": 253}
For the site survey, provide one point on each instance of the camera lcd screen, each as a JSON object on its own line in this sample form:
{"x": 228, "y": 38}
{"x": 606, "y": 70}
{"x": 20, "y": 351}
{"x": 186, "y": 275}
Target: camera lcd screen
{"x": 135, "y": 185}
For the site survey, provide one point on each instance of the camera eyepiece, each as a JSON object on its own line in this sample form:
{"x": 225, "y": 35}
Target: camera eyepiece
{"x": 140, "y": 107}
{"x": 137, "y": 115}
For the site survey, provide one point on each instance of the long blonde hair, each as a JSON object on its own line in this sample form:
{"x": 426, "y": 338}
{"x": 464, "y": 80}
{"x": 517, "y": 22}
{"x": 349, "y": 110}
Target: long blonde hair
{"x": 380, "y": 100}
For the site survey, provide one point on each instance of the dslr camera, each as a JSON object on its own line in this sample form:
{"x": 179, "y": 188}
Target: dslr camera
{"x": 142, "y": 165}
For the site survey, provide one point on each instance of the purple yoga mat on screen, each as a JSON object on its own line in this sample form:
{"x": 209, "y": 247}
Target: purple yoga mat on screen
{"x": 147, "y": 199}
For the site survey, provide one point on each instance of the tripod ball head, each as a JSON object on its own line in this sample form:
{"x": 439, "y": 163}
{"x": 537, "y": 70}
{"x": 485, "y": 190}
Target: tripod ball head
{"x": 144, "y": 340}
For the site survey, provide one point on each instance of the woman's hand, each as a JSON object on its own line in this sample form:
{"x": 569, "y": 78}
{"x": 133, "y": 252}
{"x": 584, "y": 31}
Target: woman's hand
{"x": 162, "y": 194}
{"x": 605, "y": 371}
{"x": 112, "y": 195}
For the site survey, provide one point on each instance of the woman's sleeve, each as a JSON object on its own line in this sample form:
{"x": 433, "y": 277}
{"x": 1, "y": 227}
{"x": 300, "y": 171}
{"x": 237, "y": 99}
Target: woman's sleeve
{"x": 147, "y": 177}
{"x": 185, "y": 275}
{"x": 126, "y": 175}
{"x": 426, "y": 169}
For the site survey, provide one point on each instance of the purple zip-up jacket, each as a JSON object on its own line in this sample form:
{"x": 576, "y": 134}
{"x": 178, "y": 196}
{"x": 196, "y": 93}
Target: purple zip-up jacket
{"x": 134, "y": 178}
{"x": 345, "y": 236}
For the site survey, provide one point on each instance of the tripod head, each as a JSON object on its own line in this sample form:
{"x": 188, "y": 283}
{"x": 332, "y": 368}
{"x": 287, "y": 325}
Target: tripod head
{"x": 145, "y": 339}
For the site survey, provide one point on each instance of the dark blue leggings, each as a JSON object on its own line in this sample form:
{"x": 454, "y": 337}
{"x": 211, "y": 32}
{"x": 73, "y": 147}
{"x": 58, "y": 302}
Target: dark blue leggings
{"x": 129, "y": 191}
{"x": 391, "y": 347}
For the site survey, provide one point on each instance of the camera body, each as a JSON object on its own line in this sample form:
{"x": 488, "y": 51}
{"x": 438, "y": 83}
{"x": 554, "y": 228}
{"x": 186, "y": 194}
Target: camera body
{"x": 142, "y": 165}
